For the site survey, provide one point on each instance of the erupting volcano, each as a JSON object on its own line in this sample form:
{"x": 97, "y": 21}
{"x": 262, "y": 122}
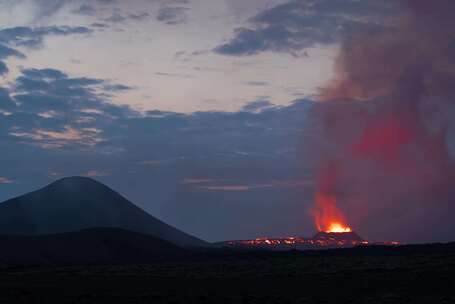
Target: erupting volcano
{"x": 334, "y": 232}
{"x": 332, "y": 225}
{"x": 388, "y": 156}
{"x": 328, "y": 217}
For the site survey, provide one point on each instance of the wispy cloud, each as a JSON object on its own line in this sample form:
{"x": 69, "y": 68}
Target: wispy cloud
{"x": 33, "y": 37}
{"x": 226, "y": 185}
{"x": 4, "y": 180}
{"x": 257, "y": 83}
{"x": 173, "y": 15}
{"x": 56, "y": 139}
{"x": 95, "y": 173}
{"x": 177, "y": 75}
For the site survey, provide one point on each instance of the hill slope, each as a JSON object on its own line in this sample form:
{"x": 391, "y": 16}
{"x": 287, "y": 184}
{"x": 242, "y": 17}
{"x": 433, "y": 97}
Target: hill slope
{"x": 90, "y": 246}
{"x": 78, "y": 203}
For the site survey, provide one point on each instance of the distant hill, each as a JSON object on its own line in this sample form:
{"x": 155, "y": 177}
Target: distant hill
{"x": 90, "y": 246}
{"x": 77, "y": 203}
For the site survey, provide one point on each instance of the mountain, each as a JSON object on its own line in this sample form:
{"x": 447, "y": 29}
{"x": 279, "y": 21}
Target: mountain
{"x": 77, "y": 203}
{"x": 90, "y": 246}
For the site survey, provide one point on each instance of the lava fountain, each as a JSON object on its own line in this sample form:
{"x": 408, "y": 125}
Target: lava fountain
{"x": 327, "y": 216}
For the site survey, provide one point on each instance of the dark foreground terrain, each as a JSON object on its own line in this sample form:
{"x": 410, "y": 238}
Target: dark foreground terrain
{"x": 416, "y": 274}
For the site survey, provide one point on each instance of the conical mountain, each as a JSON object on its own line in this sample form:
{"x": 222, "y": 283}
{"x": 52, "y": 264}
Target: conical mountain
{"x": 76, "y": 203}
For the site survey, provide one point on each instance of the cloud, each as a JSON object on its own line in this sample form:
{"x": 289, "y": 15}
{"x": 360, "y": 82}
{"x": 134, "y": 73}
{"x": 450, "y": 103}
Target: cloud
{"x": 30, "y": 38}
{"x": 71, "y": 126}
{"x": 6, "y": 102}
{"x": 150, "y": 163}
{"x": 6, "y": 52}
{"x": 172, "y": 15}
{"x": 85, "y": 9}
{"x": 95, "y": 173}
{"x": 115, "y": 88}
{"x": 139, "y": 16}
{"x": 118, "y": 17}
{"x": 45, "y": 9}
{"x": 237, "y": 167}
{"x": 295, "y": 25}
{"x": 192, "y": 181}
{"x": 99, "y": 25}
{"x": 56, "y": 139}
{"x": 258, "y": 105}
{"x": 213, "y": 185}
{"x": 53, "y": 110}
{"x": 4, "y": 180}
{"x": 257, "y": 83}
{"x": 176, "y": 75}
{"x": 33, "y": 37}
{"x": 3, "y": 68}
{"x": 227, "y": 188}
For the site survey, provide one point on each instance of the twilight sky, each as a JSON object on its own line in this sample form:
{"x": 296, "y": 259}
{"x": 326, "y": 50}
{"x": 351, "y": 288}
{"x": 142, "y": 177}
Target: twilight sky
{"x": 198, "y": 111}
{"x": 175, "y": 55}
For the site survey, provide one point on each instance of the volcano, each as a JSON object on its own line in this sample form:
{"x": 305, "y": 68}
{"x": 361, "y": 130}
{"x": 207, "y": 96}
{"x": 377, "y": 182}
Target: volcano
{"x": 78, "y": 203}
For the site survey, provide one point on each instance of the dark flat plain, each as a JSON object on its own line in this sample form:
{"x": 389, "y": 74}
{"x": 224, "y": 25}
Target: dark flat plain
{"x": 417, "y": 274}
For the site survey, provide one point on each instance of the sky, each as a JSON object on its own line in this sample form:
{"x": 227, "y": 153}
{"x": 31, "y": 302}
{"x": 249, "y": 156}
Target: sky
{"x": 164, "y": 51}
{"x": 202, "y": 112}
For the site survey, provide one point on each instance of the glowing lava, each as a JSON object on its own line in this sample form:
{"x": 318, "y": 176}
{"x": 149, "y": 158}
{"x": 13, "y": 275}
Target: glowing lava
{"x": 328, "y": 218}
{"x": 338, "y": 228}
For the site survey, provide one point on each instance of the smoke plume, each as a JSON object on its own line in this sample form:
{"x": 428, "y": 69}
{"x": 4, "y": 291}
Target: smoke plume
{"x": 387, "y": 115}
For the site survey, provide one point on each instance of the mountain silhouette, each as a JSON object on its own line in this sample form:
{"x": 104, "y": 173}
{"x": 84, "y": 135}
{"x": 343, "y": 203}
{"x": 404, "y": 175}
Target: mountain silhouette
{"x": 89, "y": 246}
{"x": 77, "y": 203}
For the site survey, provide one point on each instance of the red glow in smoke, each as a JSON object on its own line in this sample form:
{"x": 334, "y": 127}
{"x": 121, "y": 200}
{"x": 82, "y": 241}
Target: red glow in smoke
{"x": 328, "y": 217}
{"x": 384, "y": 138}
{"x": 387, "y": 113}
